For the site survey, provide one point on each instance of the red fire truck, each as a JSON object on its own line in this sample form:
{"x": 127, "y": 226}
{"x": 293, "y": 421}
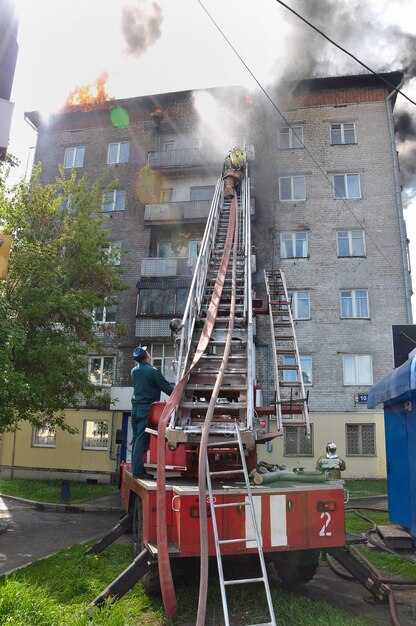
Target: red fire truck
{"x": 211, "y": 497}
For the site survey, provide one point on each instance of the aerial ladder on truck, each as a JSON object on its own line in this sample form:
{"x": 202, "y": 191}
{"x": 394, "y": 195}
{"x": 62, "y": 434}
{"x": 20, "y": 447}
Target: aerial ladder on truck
{"x": 208, "y": 433}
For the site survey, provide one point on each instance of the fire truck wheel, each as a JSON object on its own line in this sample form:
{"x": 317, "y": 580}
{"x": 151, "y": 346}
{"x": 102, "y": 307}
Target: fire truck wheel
{"x": 137, "y": 526}
{"x": 296, "y": 567}
{"x": 150, "y": 581}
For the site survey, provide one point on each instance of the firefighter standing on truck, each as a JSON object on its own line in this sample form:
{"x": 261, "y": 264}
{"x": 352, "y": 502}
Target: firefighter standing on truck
{"x": 148, "y": 382}
{"x": 331, "y": 462}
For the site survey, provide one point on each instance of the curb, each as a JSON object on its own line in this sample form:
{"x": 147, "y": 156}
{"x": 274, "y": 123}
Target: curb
{"x": 63, "y": 508}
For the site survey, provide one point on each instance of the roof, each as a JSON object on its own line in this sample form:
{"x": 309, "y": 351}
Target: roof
{"x": 398, "y": 385}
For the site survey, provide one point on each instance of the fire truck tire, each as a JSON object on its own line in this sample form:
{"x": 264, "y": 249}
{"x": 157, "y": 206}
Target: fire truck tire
{"x": 151, "y": 582}
{"x": 295, "y": 567}
{"x": 137, "y": 526}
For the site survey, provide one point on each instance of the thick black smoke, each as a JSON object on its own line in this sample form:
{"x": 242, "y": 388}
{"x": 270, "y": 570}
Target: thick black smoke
{"x": 141, "y": 26}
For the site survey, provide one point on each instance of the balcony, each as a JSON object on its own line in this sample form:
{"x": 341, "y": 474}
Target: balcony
{"x": 184, "y": 157}
{"x": 171, "y": 266}
{"x": 195, "y": 210}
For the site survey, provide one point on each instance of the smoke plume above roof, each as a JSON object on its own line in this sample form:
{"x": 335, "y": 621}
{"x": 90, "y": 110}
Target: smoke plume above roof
{"x": 141, "y": 26}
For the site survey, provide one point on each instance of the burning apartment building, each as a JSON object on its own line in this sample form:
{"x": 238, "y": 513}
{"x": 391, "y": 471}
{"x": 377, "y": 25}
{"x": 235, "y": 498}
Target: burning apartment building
{"x": 326, "y": 209}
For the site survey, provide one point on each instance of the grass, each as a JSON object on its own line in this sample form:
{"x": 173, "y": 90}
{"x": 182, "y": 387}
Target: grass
{"x": 50, "y": 490}
{"x": 56, "y": 590}
{"x": 366, "y": 487}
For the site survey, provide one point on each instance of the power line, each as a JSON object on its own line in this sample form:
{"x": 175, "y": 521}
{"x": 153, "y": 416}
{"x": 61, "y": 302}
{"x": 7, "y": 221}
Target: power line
{"x": 344, "y": 50}
{"x": 300, "y": 139}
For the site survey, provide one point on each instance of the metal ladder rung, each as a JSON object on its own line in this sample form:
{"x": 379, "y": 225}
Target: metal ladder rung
{"x": 244, "y": 581}
{"x": 228, "y": 504}
{"x": 227, "y": 472}
{"x": 222, "y": 444}
{"x": 225, "y": 541}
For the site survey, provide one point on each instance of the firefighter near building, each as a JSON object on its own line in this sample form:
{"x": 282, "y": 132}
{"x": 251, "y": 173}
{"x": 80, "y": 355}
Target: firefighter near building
{"x": 211, "y": 497}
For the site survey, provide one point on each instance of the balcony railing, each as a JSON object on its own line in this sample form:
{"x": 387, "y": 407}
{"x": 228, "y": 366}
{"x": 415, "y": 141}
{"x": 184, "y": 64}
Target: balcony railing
{"x": 184, "y": 157}
{"x": 171, "y": 266}
{"x": 175, "y": 211}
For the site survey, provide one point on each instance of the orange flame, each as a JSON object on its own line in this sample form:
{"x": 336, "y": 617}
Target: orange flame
{"x": 83, "y": 95}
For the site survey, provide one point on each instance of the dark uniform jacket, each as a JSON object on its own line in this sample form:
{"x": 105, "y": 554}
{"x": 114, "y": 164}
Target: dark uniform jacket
{"x": 148, "y": 382}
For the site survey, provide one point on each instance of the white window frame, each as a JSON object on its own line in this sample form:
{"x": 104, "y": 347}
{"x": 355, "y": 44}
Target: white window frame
{"x": 115, "y": 248}
{"x": 342, "y": 131}
{"x": 295, "y": 297}
{"x": 164, "y": 245}
{"x": 355, "y": 298}
{"x": 347, "y": 191}
{"x": 76, "y": 159}
{"x": 166, "y": 195}
{"x": 169, "y": 145}
{"x": 294, "y": 135}
{"x": 360, "y": 428}
{"x": 301, "y": 437}
{"x": 111, "y": 200}
{"x": 296, "y": 237}
{"x": 194, "y": 248}
{"x": 101, "y": 371}
{"x": 49, "y": 436}
{"x": 362, "y": 363}
{"x": 85, "y": 435}
{"x": 162, "y": 356}
{"x": 118, "y": 154}
{"x": 106, "y": 311}
{"x": 292, "y": 179}
{"x": 305, "y": 365}
{"x": 195, "y": 188}
{"x": 351, "y": 237}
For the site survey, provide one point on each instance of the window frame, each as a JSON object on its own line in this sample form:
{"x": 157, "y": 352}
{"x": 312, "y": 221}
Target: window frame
{"x": 76, "y": 150}
{"x": 294, "y": 243}
{"x": 357, "y": 382}
{"x": 300, "y": 439}
{"x": 163, "y": 361}
{"x": 350, "y": 239}
{"x": 342, "y": 131}
{"x": 355, "y": 304}
{"x": 360, "y": 453}
{"x": 161, "y": 297}
{"x": 105, "y": 313}
{"x": 115, "y": 247}
{"x": 294, "y": 136}
{"x": 290, "y": 375}
{"x": 292, "y": 179}
{"x": 35, "y": 432}
{"x": 211, "y": 189}
{"x": 111, "y": 206}
{"x": 346, "y": 190}
{"x": 84, "y": 435}
{"x": 293, "y": 296}
{"x": 102, "y": 359}
{"x": 119, "y": 145}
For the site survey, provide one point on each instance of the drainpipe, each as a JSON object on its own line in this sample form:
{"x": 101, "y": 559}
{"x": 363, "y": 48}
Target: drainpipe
{"x": 399, "y": 205}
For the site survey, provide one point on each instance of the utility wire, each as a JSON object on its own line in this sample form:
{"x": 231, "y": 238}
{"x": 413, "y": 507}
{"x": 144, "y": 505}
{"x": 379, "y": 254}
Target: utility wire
{"x": 272, "y": 102}
{"x": 344, "y": 50}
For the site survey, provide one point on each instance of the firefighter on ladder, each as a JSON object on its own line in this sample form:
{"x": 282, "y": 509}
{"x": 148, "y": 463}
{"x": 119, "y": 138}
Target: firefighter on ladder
{"x": 233, "y": 171}
{"x": 330, "y": 462}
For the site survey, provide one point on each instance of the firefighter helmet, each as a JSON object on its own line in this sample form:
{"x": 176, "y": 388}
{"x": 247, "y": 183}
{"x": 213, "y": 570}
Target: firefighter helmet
{"x": 331, "y": 447}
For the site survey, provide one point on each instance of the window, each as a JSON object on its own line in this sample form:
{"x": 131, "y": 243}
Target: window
{"x": 114, "y": 251}
{"x": 158, "y": 301}
{"x": 74, "y": 157}
{"x": 343, "y": 133}
{"x": 118, "y": 152}
{"x": 114, "y": 200}
{"x": 358, "y": 369}
{"x": 354, "y": 303}
{"x": 202, "y": 193}
{"x": 162, "y": 356}
{"x": 101, "y": 370}
{"x": 294, "y": 245}
{"x": 290, "y": 376}
{"x": 291, "y": 137}
{"x": 43, "y": 436}
{"x": 166, "y": 195}
{"x": 361, "y": 439}
{"x": 350, "y": 243}
{"x": 164, "y": 250}
{"x": 193, "y": 251}
{"x": 347, "y": 186}
{"x": 296, "y": 442}
{"x": 169, "y": 145}
{"x": 105, "y": 314}
{"x": 292, "y": 188}
{"x": 301, "y": 306}
{"x": 95, "y": 435}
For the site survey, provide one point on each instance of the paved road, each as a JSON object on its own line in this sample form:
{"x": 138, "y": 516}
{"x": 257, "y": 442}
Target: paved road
{"x": 34, "y": 534}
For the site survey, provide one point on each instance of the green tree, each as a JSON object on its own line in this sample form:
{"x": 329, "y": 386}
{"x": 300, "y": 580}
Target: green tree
{"x": 61, "y": 268}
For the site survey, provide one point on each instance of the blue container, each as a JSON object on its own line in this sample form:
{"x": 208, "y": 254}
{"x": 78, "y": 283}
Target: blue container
{"x": 65, "y": 491}
{"x": 397, "y": 392}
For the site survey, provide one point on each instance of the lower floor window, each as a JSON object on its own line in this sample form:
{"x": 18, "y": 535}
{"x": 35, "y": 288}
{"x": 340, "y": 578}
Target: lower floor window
{"x": 43, "y": 436}
{"x": 101, "y": 370}
{"x": 361, "y": 439}
{"x": 95, "y": 435}
{"x": 162, "y": 358}
{"x": 296, "y": 442}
